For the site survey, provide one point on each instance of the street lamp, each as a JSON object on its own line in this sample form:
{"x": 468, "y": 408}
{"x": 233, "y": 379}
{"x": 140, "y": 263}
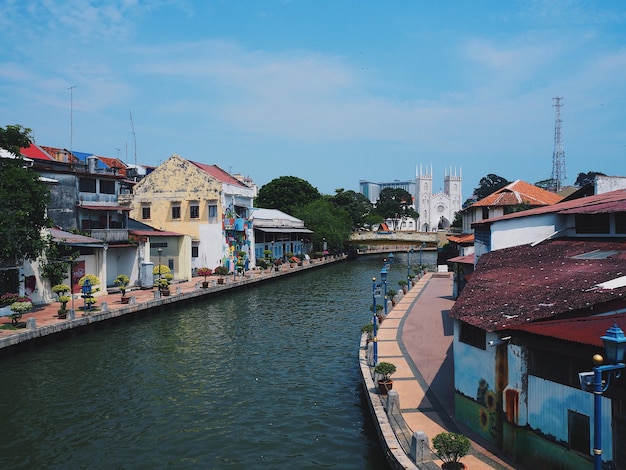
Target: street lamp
{"x": 375, "y": 293}
{"x": 614, "y": 347}
{"x": 159, "y": 251}
{"x": 408, "y": 267}
{"x": 383, "y": 278}
{"x": 390, "y": 258}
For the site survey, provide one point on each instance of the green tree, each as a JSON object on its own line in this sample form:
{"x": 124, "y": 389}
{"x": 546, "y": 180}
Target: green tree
{"x": 286, "y": 193}
{"x": 587, "y": 178}
{"x": 355, "y": 204}
{"x": 24, "y": 200}
{"x": 327, "y": 221}
{"x": 488, "y": 185}
{"x": 395, "y": 203}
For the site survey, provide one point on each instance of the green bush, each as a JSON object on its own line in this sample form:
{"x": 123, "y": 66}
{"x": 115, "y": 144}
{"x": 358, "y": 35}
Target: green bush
{"x": 450, "y": 446}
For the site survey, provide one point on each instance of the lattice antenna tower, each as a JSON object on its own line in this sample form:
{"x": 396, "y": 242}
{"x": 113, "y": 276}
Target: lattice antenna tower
{"x": 558, "y": 155}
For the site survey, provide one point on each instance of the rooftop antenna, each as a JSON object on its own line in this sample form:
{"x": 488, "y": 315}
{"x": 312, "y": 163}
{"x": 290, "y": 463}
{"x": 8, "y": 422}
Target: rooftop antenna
{"x": 71, "y": 117}
{"x": 134, "y": 138}
{"x": 558, "y": 155}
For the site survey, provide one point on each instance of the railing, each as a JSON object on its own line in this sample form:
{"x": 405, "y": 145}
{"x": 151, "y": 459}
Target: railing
{"x": 110, "y": 235}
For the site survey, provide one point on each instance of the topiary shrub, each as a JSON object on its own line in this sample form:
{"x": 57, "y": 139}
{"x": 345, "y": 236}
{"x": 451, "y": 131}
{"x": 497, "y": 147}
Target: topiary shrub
{"x": 450, "y": 447}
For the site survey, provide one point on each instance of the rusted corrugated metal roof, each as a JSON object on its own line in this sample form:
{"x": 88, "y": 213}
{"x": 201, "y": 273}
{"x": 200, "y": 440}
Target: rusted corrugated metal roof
{"x": 61, "y": 236}
{"x": 587, "y": 330}
{"x": 219, "y": 174}
{"x": 523, "y": 284}
{"x": 105, "y": 208}
{"x": 467, "y": 259}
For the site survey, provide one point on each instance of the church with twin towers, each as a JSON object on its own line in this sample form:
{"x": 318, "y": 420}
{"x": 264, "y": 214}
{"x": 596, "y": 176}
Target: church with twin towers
{"x": 436, "y": 209}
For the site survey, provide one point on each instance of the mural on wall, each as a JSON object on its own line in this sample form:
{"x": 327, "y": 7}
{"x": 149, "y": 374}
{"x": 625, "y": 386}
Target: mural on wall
{"x": 237, "y": 244}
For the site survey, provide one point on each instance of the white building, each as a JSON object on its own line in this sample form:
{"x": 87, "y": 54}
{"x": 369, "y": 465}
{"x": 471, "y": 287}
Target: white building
{"x": 436, "y": 209}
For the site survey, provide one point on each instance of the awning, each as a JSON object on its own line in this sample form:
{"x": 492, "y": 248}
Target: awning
{"x": 283, "y": 230}
{"x": 105, "y": 208}
{"x": 467, "y": 259}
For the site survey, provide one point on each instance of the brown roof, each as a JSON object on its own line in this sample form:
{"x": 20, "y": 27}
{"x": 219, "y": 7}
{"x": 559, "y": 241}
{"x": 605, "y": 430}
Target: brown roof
{"x": 587, "y": 330}
{"x": 519, "y": 192}
{"x": 613, "y": 201}
{"x": 522, "y": 284}
{"x": 114, "y": 163}
{"x": 462, "y": 238}
{"x": 219, "y": 174}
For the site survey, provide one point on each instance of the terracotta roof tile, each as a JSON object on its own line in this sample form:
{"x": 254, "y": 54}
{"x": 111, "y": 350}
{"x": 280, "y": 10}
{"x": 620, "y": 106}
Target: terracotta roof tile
{"x": 519, "y": 192}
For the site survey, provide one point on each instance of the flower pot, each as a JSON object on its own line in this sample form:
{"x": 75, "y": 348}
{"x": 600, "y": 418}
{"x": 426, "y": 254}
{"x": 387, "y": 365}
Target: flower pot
{"x": 384, "y": 387}
{"x": 452, "y": 466}
{"x": 205, "y": 284}
{"x": 165, "y": 292}
{"x": 62, "y": 313}
{"x": 125, "y": 299}
{"x": 220, "y": 280}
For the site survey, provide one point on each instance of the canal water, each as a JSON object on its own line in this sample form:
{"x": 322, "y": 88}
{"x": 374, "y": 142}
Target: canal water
{"x": 262, "y": 377}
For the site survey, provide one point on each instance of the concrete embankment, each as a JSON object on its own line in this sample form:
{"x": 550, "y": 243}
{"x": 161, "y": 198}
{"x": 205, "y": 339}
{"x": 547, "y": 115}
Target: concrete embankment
{"x": 43, "y": 324}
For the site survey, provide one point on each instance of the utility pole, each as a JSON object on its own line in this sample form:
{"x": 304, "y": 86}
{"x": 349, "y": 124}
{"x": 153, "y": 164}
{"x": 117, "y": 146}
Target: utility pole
{"x": 71, "y": 117}
{"x": 558, "y": 155}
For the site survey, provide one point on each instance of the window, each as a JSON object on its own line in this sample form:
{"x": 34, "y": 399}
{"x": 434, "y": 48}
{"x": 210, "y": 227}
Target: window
{"x": 592, "y": 223}
{"x": 578, "y": 431}
{"x": 194, "y": 251}
{"x": 194, "y": 210}
{"x": 87, "y": 185}
{"x": 107, "y": 187}
{"x": 473, "y": 336}
{"x": 145, "y": 212}
{"x": 176, "y": 211}
{"x": 212, "y": 213}
{"x": 485, "y": 213}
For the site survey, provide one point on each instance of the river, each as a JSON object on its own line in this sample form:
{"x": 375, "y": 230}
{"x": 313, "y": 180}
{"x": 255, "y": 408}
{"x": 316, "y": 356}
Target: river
{"x": 262, "y": 377}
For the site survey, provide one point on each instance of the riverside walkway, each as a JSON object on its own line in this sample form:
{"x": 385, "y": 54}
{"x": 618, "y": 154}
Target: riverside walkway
{"x": 42, "y": 322}
{"x": 417, "y": 337}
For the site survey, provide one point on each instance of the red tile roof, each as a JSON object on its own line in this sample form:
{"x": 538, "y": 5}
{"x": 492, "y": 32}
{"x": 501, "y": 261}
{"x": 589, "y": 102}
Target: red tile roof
{"x": 606, "y": 202}
{"x": 114, "y": 163}
{"x": 587, "y": 330}
{"x": 467, "y": 238}
{"x": 519, "y": 192}
{"x": 35, "y": 152}
{"x": 219, "y": 174}
{"x": 523, "y": 284}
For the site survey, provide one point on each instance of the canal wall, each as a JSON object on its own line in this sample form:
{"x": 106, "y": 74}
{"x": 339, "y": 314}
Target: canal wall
{"x": 42, "y": 322}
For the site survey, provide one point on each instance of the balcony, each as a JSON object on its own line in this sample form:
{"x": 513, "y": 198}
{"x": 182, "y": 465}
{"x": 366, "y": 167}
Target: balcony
{"x": 110, "y": 235}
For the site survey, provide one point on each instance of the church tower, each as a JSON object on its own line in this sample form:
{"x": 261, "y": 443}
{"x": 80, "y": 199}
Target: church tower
{"x": 437, "y": 210}
{"x": 424, "y": 187}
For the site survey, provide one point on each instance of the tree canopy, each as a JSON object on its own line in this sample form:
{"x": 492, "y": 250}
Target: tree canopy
{"x": 488, "y": 185}
{"x": 286, "y": 193}
{"x": 355, "y": 204}
{"x": 394, "y": 203}
{"x": 327, "y": 221}
{"x": 24, "y": 200}
{"x": 586, "y": 178}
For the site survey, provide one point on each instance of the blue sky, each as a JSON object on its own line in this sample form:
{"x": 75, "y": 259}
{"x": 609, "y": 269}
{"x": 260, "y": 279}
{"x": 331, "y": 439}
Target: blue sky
{"x": 330, "y": 91}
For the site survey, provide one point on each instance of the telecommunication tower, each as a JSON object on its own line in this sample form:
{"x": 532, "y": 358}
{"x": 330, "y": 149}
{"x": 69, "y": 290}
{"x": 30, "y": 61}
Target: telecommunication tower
{"x": 558, "y": 155}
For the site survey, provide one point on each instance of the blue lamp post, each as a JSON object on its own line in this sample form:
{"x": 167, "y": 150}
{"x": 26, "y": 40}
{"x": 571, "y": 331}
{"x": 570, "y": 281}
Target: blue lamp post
{"x": 375, "y": 293}
{"x": 408, "y": 267}
{"x": 614, "y": 347}
{"x": 390, "y": 258}
{"x": 383, "y": 278}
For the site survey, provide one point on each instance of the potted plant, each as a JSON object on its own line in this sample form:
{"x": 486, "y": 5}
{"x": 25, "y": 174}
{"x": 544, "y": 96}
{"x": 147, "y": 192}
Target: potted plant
{"x": 402, "y": 284}
{"x": 277, "y": 264}
{"x": 205, "y": 272}
{"x": 391, "y": 294}
{"x": 220, "y": 271}
{"x": 384, "y": 370}
{"x": 450, "y": 447}
{"x": 122, "y": 280}
{"x": 164, "y": 278}
{"x": 19, "y": 308}
{"x": 368, "y": 329}
{"x": 89, "y": 285}
{"x": 61, "y": 290}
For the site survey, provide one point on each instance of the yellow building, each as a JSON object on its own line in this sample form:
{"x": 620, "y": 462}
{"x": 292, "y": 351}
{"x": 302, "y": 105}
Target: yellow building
{"x": 202, "y": 201}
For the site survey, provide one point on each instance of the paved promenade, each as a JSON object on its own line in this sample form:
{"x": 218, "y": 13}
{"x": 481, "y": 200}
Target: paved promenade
{"x": 417, "y": 337}
{"x": 42, "y": 321}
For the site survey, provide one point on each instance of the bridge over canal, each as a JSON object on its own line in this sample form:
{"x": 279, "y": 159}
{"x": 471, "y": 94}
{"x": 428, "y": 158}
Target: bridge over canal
{"x": 368, "y": 242}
